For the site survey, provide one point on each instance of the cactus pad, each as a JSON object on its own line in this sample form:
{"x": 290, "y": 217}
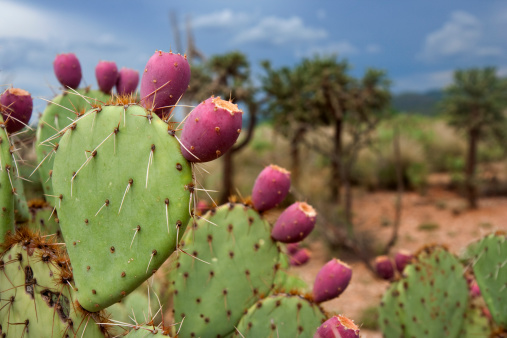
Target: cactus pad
{"x": 429, "y": 301}
{"x": 242, "y": 261}
{"x": 124, "y": 191}
{"x": 37, "y": 298}
{"x": 281, "y": 316}
{"x": 490, "y": 270}
{"x": 6, "y": 185}
{"x": 60, "y": 113}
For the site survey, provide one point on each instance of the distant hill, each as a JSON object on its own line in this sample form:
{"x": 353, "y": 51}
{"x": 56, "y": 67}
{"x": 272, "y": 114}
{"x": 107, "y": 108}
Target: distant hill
{"x": 417, "y": 103}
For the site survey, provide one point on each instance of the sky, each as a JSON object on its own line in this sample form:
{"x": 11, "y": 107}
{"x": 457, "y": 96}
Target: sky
{"x": 419, "y": 43}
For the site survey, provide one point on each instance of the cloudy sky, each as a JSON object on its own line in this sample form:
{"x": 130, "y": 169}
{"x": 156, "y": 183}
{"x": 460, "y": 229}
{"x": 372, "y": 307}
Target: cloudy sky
{"x": 418, "y": 42}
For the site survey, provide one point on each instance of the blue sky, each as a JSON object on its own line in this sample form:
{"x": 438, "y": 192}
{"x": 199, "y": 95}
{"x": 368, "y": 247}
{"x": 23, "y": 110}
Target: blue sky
{"x": 418, "y": 42}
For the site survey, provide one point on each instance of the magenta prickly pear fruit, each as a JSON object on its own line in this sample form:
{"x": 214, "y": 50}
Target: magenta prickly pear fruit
{"x": 127, "y": 81}
{"x": 401, "y": 259}
{"x": 68, "y": 70}
{"x": 295, "y": 223}
{"x": 106, "y": 73}
{"x": 292, "y": 248}
{"x": 165, "y": 79}
{"x": 299, "y": 258}
{"x": 384, "y": 267}
{"x": 474, "y": 289}
{"x": 270, "y": 188}
{"x": 16, "y": 106}
{"x": 202, "y": 207}
{"x": 210, "y": 130}
{"x": 337, "y": 327}
{"x": 331, "y": 281}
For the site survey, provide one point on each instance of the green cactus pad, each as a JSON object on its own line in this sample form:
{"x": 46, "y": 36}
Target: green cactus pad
{"x": 281, "y": 316}
{"x": 21, "y": 213}
{"x": 6, "y": 185}
{"x": 391, "y": 318}
{"x": 137, "y": 306}
{"x": 36, "y": 299}
{"x": 146, "y": 331}
{"x": 62, "y": 110}
{"x": 475, "y": 324}
{"x": 490, "y": 270}
{"x": 125, "y": 189}
{"x": 243, "y": 260}
{"x": 286, "y": 282}
{"x": 429, "y": 301}
{"x": 44, "y": 221}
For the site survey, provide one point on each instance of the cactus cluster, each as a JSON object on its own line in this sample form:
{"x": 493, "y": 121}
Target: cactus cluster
{"x": 230, "y": 277}
{"x": 440, "y": 295}
{"x": 119, "y": 193}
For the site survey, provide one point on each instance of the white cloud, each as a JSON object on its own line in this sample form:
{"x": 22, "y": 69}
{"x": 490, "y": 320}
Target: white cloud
{"x": 460, "y": 35}
{"x": 31, "y": 23}
{"x": 224, "y": 18}
{"x": 36, "y": 35}
{"x": 423, "y": 81}
{"x": 279, "y": 31}
{"x": 340, "y": 48}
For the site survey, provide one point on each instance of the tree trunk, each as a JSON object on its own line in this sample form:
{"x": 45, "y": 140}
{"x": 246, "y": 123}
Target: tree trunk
{"x": 335, "y": 162}
{"x": 471, "y": 159}
{"x": 294, "y": 155}
{"x": 228, "y": 168}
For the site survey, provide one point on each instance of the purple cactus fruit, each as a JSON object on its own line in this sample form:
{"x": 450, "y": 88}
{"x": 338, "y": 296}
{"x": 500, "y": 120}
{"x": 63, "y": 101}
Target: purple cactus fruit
{"x": 295, "y": 223}
{"x": 202, "y": 207}
{"x": 337, "y": 327}
{"x": 301, "y": 257}
{"x": 68, "y": 70}
{"x": 474, "y": 289}
{"x": 16, "y": 106}
{"x": 127, "y": 82}
{"x": 106, "y": 73}
{"x": 402, "y": 258}
{"x": 210, "y": 130}
{"x": 292, "y": 248}
{"x": 270, "y": 188}
{"x": 384, "y": 267}
{"x": 165, "y": 79}
{"x": 331, "y": 281}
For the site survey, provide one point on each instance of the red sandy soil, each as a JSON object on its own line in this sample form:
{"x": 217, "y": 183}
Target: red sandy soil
{"x": 443, "y": 212}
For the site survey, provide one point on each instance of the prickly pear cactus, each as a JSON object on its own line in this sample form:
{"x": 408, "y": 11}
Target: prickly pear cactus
{"x": 429, "y": 301}
{"x": 142, "y": 302}
{"x": 147, "y": 331}
{"x": 21, "y": 212}
{"x": 59, "y": 113}
{"x": 490, "y": 270}
{"x": 285, "y": 282}
{"x": 45, "y": 221}
{"x": 235, "y": 264}
{"x": 281, "y": 315}
{"x": 6, "y": 185}
{"x": 475, "y": 323}
{"x": 37, "y": 298}
{"x": 124, "y": 191}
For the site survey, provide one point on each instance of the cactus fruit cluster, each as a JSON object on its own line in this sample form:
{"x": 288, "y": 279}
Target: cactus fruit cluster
{"x": 119, "y": 194}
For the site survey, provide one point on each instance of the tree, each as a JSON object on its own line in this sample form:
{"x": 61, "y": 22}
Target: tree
{"x": 290, "y": 110}
{"x": 474, "y": 103}
{"x": 312, "y": 93}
